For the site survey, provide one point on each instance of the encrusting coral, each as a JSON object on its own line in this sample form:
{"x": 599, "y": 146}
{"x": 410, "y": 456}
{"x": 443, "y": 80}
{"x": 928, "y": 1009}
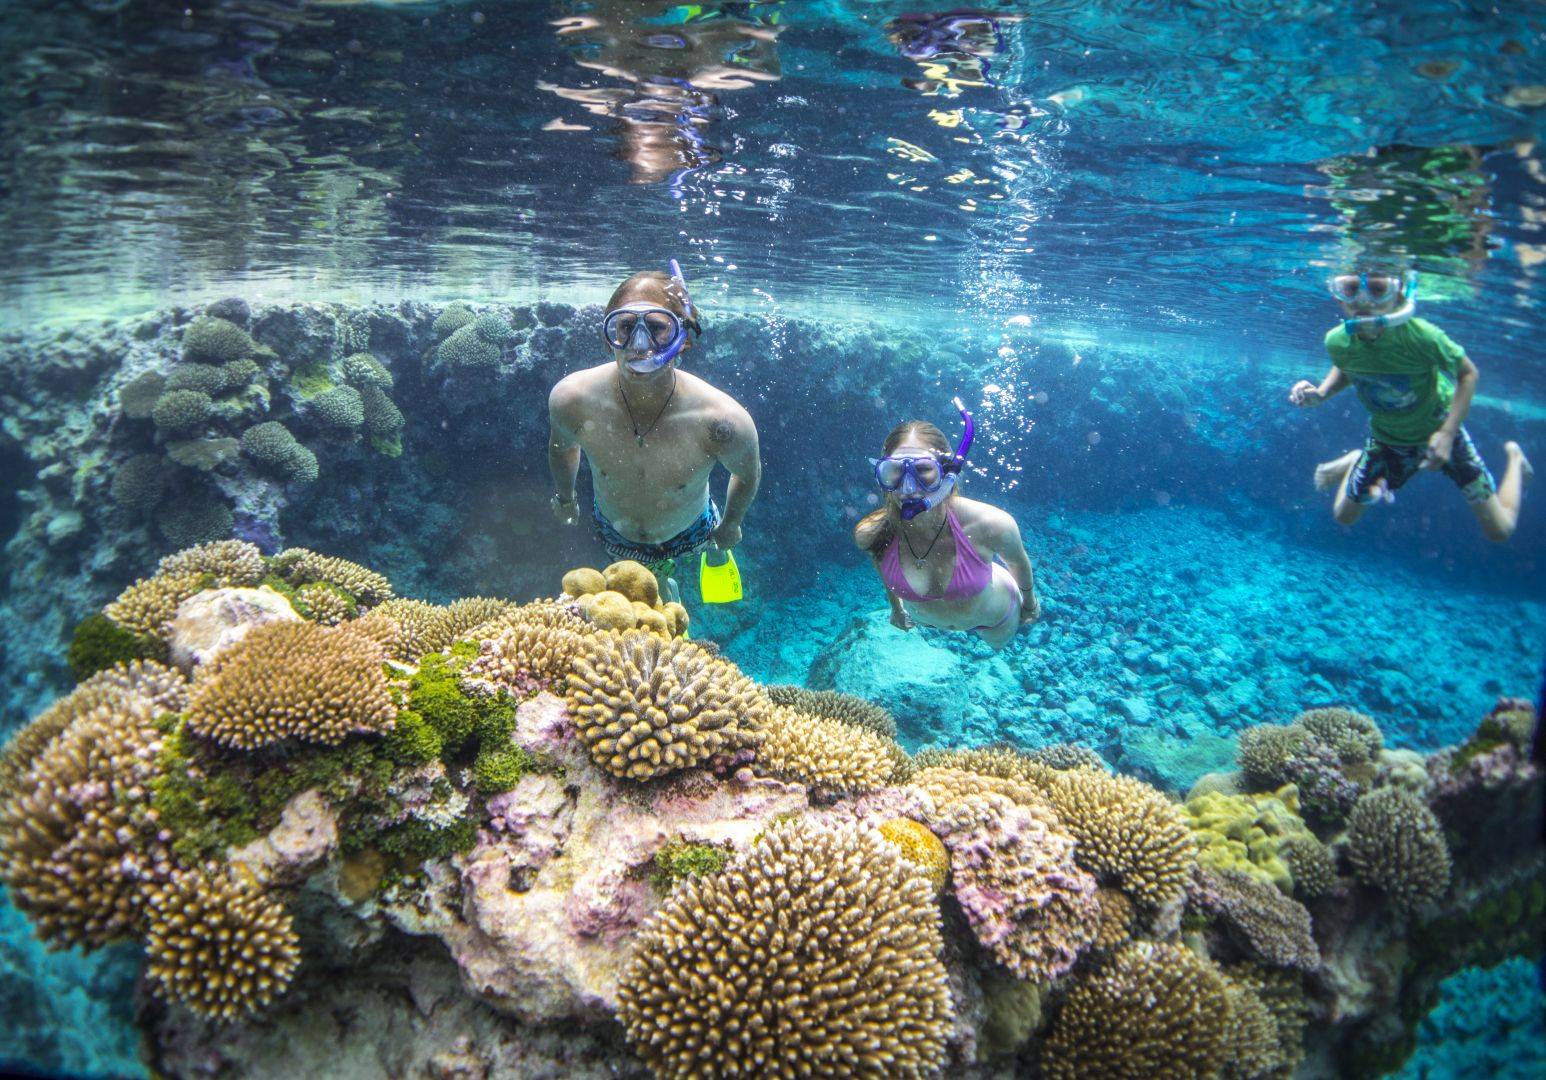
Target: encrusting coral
{"x": 1248, "y": 832}
{"x": 920, "y": 848}
{"x": 815, "y": 952}
{"x": 826, "y": 755}
{"x": 222, "y": 947}
{"x": 646, "y": 706}
{"x": 1396, "y": 844}
{"x": 291, "y": 681}
{"x": 1150, "y": 1010}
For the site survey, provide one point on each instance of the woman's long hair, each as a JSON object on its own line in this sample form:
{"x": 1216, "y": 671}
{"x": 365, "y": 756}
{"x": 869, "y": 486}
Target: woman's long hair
{"x": 877, "y": 529}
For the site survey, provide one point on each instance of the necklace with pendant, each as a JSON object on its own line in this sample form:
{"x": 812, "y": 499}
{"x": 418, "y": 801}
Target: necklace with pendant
{"x": 918, "y": 560}
{"x": 637, "y": 435}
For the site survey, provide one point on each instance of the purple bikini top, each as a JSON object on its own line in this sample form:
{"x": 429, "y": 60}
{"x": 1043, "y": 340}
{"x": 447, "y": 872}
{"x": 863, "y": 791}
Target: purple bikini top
{"x": 970, "y": 575}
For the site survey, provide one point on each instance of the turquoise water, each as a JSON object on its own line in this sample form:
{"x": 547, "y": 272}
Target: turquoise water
{"x": 1106, "y": 227}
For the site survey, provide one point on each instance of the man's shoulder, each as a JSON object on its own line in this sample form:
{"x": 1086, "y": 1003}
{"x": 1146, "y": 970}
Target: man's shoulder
{"x": 573, "y": 388}
{"x": 712, "y": 399}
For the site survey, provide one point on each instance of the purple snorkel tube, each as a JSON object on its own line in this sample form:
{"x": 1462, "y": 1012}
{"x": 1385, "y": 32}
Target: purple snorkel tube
{"x": 911, "y": 508}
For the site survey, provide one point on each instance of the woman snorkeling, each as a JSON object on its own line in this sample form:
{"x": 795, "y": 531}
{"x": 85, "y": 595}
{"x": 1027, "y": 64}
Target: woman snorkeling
{"x": 935, "y": 549}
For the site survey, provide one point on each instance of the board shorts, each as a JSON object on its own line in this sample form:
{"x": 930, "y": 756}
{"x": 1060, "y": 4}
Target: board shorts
{"x": 1395, "y": 465}
{"x": 660, "y": 558}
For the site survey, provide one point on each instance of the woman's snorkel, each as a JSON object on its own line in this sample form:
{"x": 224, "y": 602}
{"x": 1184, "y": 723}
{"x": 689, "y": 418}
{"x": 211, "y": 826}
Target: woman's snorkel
{"x": 1350, "y": 289}
{"x": 920, "y": 503}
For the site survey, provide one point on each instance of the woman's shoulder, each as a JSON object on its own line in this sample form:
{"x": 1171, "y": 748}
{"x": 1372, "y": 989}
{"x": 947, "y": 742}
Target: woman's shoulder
{"x": 983, "y": 521}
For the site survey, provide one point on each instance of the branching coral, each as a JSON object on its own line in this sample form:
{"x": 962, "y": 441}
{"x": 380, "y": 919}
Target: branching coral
{"x": 1013, "y": 871}
{"x": 1281, "y": 993}
{"x": 140, "y": 482}
{"x": 300, "y": 566}
{"x": 524, "y": 656}
{"x": 1326, "y": 753}
{"x": 826, "y": 755}
{"x": 194, "y": 517}
{"x": 421, "y": 627}
{"x": 1151, "y": 1010}
{"x": 323, "y": 603}
{"x": 835, "y": 705}
{"x": 1395, "y": 844}
{"x": 227, "y": 562}
{"x": 211, "y": 338}
{"x": 1311, "y": 865}
{"x": 1116, "y": 918}
{"x": 1004, "y": 762}
{"x": 920, "y": 848}
{"x": 147, "y": 607}
{"x": 1352, "y": 736}
{"x": 363, "y": 369}
{"x": 218, "y": 944}
{"x": 646, "y": 705}
{"x": 467, "y": 350}
{"x": 822, "y": 947}
{"x": 180, "y": 413}
{"x": 1251, "y": 1049}
{"x": 1066, "y": 756}
{"x": 452, "y": 318}
{"x": 1271, "y": 926}
{"x": 291, "y": 681}
{"x": 271, "y": 445}
{"x": 341, "y": 409}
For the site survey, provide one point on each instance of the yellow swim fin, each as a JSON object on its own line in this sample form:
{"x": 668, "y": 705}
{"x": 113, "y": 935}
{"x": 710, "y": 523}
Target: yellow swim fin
{"x": 719, "y": 584}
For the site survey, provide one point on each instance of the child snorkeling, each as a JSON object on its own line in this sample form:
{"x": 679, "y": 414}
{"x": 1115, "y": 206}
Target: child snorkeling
{"x": 1417, "y": 386}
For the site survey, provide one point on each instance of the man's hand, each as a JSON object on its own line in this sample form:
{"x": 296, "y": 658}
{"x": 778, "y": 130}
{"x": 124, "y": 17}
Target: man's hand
{"x": 1305, "y": 394}
{"x": 727, "y": 535}
{"x": 567, "y": 513}
{"x": 1441, "y": 445}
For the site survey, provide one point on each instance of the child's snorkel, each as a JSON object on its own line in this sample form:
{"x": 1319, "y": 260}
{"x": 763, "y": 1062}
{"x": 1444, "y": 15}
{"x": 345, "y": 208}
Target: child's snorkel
{"x": 951, "y": 469}
{"x": 1381, "y": 323}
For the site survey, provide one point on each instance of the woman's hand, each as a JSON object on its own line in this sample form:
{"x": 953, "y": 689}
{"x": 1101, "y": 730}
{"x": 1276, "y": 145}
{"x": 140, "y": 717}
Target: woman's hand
{"x": 1030, "y": 609}
{"x": 900, "y": 619}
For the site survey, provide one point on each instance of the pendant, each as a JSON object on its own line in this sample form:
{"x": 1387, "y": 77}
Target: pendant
{"x": 640, "y": 438}
{"x": 918, "y": 563}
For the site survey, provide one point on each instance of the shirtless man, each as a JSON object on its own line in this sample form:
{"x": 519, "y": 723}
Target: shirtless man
{"x": 652, "y": 434}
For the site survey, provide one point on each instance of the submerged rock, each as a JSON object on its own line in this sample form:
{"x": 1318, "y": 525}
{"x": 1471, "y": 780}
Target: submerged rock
{"x": 215, "y": 619}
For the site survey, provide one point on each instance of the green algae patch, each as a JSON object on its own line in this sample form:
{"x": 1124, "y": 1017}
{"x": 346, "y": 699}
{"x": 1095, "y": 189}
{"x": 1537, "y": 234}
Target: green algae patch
{"x": 312, "y": 381}
{"x": 99, "y": 643}
{"x": 500, "y": 770}
{"x": 680, "y": 860}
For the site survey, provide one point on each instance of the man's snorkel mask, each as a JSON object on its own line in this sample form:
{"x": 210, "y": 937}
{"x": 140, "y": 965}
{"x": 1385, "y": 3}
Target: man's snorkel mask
{"x": 655, "y": 333}
{"x": 1375, "y": 290}
{"x": 925, "y": 482}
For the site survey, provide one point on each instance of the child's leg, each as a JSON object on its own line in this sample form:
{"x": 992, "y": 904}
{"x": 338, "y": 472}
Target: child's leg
{"x": 1499, "y": 512}
{"x": 1330, "y": 474}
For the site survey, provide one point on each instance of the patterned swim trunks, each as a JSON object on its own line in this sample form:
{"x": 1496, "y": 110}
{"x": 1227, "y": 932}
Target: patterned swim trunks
{"x": 690, "y": 540}
{"x": 1395, "y": 465}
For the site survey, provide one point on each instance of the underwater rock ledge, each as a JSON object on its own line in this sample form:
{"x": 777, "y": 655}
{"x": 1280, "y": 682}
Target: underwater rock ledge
{"x": 486, "y": 838}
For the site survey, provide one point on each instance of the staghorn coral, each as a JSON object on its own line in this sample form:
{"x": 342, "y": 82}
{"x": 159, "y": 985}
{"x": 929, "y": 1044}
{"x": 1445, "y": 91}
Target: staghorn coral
{"x": 147, "y": 607}
{"x": 1248, "y": 832}
{"x": 835, "y": 705}
{"x": 180, "y": 413}
{"x": 323, "y": 603}
{"x": 300, "y": 566}
{"x": 271, "y": 445}
{"x": 227, "y": 562}
{"x": 76, "y": 841}
{"x": 291, "y": 681}
{"x": 1270, "y": 926}
{"x": 1013, "y": 872}
{"x": 920, "y": 849}
{"x": 211, "y": 338}
{"x": 1150, "y": 1010}
{"x": 523, "y": 656}
{"x": 826, "y": 755}
{"x": 1128, "y": 833}
{"x": 822, "y": 945}
{"x": 646, "y": 705}
{"x": 1396, "y": 844}
{"x": 217, "y": 943}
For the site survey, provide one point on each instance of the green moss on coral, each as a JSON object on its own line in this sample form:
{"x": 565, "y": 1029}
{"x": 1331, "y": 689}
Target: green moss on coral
{"x": 679, "y": 860}
{"x": 413, "y": 741}
{"x": 500, "y": 770}
{"x": 99, "y": 643}
{"x": 416, "y": 841}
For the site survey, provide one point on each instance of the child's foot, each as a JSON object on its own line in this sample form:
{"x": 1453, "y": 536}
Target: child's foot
{"x": 1513, "y": 450}
{"x": 1329, "y": 474}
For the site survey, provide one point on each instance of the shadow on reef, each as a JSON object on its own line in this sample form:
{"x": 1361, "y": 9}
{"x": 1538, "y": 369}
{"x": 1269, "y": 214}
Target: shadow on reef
{"x": 560, "y": 838}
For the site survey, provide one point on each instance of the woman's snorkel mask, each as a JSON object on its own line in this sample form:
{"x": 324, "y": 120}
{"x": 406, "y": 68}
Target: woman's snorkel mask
{"x": 1366, "y": 290}
{"x": 654, "y": 333}
{"x": 925, "y": 482}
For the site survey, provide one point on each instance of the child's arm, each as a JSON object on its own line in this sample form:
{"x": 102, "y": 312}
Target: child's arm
{"x": 1305, "y": 394}
{"x": 1442, "y": 441}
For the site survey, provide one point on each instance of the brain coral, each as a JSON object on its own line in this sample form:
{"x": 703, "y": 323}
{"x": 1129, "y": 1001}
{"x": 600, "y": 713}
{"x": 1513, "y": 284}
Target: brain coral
{"x": 1395, "y": 843}
{"x": 1271, "y": 926}
{"x": 835, "y": 705}
{"x": 1151, "y": 1010}
{"x": 646, "y": 705}
{"x": 217, "y": 944}
{"x": 826, "y": 755}
{"x": 1013, "y": 872}
{"x": 147, "y": 607}
{"x": 816, "y": 952}
{"x": 227, "y": 562}
{"x": 1128, "y": 832}
{"x": 291, "y": 680}
{"x": 76, "y": 844}
{"x": 210, "y": 338}
{"x": 920, "y": 848}
{"x": 300, "y": 566}
{"x": 633, "y": 580}
{"x": 271, "y": 445}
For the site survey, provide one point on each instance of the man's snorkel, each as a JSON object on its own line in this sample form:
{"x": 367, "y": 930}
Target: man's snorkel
{"x": 655, "y": 333}
{"x": 1349, "y": 288}
{"x": 949, "y": 470}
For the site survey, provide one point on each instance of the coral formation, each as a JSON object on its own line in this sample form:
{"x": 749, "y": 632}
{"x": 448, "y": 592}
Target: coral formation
{"x": 1269, "y": 925}
{"x": 1248, "y": 832}
{"x": 147, "y": 607}
{"x": 212, "y": 338}
{"x": 830, "y": 757}
{"x": 300, "y": 566}
{"x": 647, "y": 706}
{"x": 226, "y": 562}
{"x": 524, "y": 656}
{"x": 274, "y": 448}
{"x": 624, "y": 596}
{"x": 1396, "y": 844}
{"x": 920, "y": 848}
{"x": 822, "y": 944}
{"x": 835, "y": 705}
{"x": 1327, "y": 754}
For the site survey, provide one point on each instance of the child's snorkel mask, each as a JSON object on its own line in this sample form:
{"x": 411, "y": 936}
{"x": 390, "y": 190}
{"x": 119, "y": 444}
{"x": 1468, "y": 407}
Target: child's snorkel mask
{"x": 1374, "y": 290}
{"x": 656, "y": 333}
{"x": 925, "y": 482}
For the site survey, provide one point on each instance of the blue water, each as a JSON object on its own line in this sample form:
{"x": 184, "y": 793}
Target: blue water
{"x": 1106, "y": 226}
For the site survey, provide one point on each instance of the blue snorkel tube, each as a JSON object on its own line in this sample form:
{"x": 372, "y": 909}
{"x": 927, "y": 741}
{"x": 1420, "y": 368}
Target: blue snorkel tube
{"x": 660, "y": 358}
{"x": 911, "y": 508}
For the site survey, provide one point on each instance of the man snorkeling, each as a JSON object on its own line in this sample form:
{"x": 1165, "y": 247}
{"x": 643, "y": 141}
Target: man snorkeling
{"x": 1417, "y": 385}
{"x": 947, "y": 577}
{"x": 652, "y": 434}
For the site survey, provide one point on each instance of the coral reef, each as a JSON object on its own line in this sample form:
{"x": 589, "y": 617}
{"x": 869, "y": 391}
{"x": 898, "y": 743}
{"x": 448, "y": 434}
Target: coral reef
{"x": 1269, "y": 926}
{"x": 826, "y": 755}
{"x": 624, "y": 596}
{"x": 832, "y": 705}
{"x": 1396, "y": 844}
{"x": 1249, "y": 833}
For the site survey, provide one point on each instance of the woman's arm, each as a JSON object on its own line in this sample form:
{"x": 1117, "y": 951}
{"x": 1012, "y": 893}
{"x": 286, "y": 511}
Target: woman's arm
{"x": 1004, "y": 535}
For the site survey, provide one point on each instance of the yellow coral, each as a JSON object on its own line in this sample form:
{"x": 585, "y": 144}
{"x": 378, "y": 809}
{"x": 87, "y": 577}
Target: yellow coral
{"x": 1248, "y": 832}
{"x": 291, "y": 680}
{"x": 837, "y": 706}
{"x": 633, "y": 580}
{"x": 470, "y": 611}
{"x": 147, "y": 607}
{"x": 648, "y": 618}
{"x": 583, "y": 580}
{"x": 325, "y": 604}
{"x": 920, "y": 848}
{"x": 817, "y": 952}
{"x": 609, "y": 610}
{"x": 947, "y": 786}
{"x": 548, "y": 613}
{"x": 421, "y": 627}
{"x": 218, "y": 944}
{"x": 678, "y": 616}
{"x": 825, "y": 755}
{"x": 517, "y": 655}
{"x": 1116, "y": 918}
{"x": 646, "y": 705}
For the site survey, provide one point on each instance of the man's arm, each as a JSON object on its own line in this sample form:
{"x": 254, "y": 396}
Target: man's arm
{"x": 1442, "y": 442}
{"x": 1305, "y": 393}
{"x": 563, "y": 451}
{"x": 733, "y": 439}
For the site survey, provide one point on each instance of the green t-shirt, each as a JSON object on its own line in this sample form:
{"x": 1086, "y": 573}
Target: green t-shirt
{"x": 1405, "y": 377}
